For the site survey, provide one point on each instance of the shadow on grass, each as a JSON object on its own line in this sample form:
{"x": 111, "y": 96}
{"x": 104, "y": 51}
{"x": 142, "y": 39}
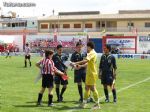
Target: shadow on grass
{"x": 45, "y": 102}
{"x": 26, "y": 106}
{"x": 67, "y": 108}
{"x": 103, "y": 103}
{"x": 22, "y": 67}
{"x": 73, "y": 102}
{"x": 30, "y": 102}
{"x": 57, "y": 106}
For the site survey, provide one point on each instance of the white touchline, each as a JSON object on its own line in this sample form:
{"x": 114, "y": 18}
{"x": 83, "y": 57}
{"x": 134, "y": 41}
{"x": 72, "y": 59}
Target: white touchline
{"x": 120, "y": 90}
{"x": 132, "y": 85}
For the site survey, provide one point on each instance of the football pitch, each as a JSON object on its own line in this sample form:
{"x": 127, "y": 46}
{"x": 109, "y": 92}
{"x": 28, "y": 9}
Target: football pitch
{"x": 18, "y": 92}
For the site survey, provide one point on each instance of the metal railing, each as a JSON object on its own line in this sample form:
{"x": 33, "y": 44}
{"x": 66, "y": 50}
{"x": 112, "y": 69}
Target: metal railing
{"x": 108, "y": 29}
{"x": 18, "y": 30}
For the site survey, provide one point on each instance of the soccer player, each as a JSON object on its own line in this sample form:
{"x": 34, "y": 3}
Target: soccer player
{"x": 27, "y": 55}
{"x": 48, "y": 69}
{"x": 57, "y": 58}
{"x": 91, "y": 75}
{"x": 79, "y": 75}
{"x": 107, "y": 72}
{"x": 8, "y": 53}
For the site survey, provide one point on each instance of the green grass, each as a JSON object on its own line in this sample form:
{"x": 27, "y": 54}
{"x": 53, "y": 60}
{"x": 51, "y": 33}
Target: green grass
{"x": 18, "y": 93}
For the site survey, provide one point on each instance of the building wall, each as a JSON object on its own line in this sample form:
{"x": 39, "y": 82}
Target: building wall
{"x": 71, "y": 23}
{"x": 32, "y": 23}
{"x": 122, "y": 24}
{"x": 121, "y": 28}
{"x": 137, "y": 23}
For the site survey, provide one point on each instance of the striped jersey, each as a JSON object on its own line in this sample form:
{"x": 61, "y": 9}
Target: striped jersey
{"x": 47, "y": 66}
{"x": 27, "y": 51}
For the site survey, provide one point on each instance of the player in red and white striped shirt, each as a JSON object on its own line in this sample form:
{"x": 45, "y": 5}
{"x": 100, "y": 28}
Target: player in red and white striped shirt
{"x": 27, "y": 55}
{"x": 47, "y": 66}
{"x": 48, "y": 69}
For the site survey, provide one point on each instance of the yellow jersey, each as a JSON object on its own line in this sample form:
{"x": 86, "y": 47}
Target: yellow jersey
{"x": 91, "y": 72}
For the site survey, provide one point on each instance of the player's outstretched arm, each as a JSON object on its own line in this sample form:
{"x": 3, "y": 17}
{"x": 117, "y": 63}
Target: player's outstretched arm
{"x": 81, "y": 62}
{"x": 83, "y": 66}
{"x": 59, "y": 72}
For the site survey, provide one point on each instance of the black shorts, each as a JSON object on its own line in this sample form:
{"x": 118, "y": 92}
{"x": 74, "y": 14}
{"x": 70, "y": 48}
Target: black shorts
{"x": 27, "y": 56}
{"x": 47, "y": 81}
{"x": 79, "y": 76}
{"x": 59, "y": 80}
{"x": 107, "y": 79}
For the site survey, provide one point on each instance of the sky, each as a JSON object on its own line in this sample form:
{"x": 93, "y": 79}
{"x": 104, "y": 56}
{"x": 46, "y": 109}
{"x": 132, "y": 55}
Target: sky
{"x": 46, "y": 6}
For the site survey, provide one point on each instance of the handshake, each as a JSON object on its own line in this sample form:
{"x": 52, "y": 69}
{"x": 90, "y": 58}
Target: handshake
{"x": 72, "y": 65}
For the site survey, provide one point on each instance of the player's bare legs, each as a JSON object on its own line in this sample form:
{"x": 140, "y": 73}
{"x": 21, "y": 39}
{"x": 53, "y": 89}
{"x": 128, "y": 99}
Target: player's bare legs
{"x": 86, "y": 95}
{"x": 95, "y": 95}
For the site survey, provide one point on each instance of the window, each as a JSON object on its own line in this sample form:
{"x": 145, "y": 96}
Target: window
{"x": 54, "y": 26}
{"x": 13, "y": 24}
{"x": 16, "y": 24}
{"x": 77, "y": 25}
{"x": 66, "y": 25}
{"x": 21, "y": 24}
{"x": 103, "y": 24}
{"x": 131, "y": 24}
{"x": 44, "y": 26}
{"x": 98, "y": 24}
{"x": 147, "y": 24}
{"x": 88, "y": 25}
{"x": 9, "y": 24}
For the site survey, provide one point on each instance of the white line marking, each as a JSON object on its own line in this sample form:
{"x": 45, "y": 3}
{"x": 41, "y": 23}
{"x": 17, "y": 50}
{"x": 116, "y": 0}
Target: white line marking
{"x": 127, "y": 87}
{"x": 118, "y": 91}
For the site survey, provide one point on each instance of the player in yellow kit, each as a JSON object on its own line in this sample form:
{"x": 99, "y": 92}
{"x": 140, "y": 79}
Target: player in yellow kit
{"x": 91, "y": 75}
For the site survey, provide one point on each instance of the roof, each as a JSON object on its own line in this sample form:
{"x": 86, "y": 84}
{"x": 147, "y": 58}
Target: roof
{"x": 80, "y": 13}
{"x": 95, "y": 17}
{"x": 134, "y": 11}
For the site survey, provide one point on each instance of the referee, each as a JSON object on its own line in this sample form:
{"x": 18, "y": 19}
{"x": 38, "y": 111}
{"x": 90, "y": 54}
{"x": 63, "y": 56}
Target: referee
{"x": 58, "y": 61}
{"x": 79, "y": 75}
{"x": 91, "y": 75}
{"x": 107, "y": 72}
